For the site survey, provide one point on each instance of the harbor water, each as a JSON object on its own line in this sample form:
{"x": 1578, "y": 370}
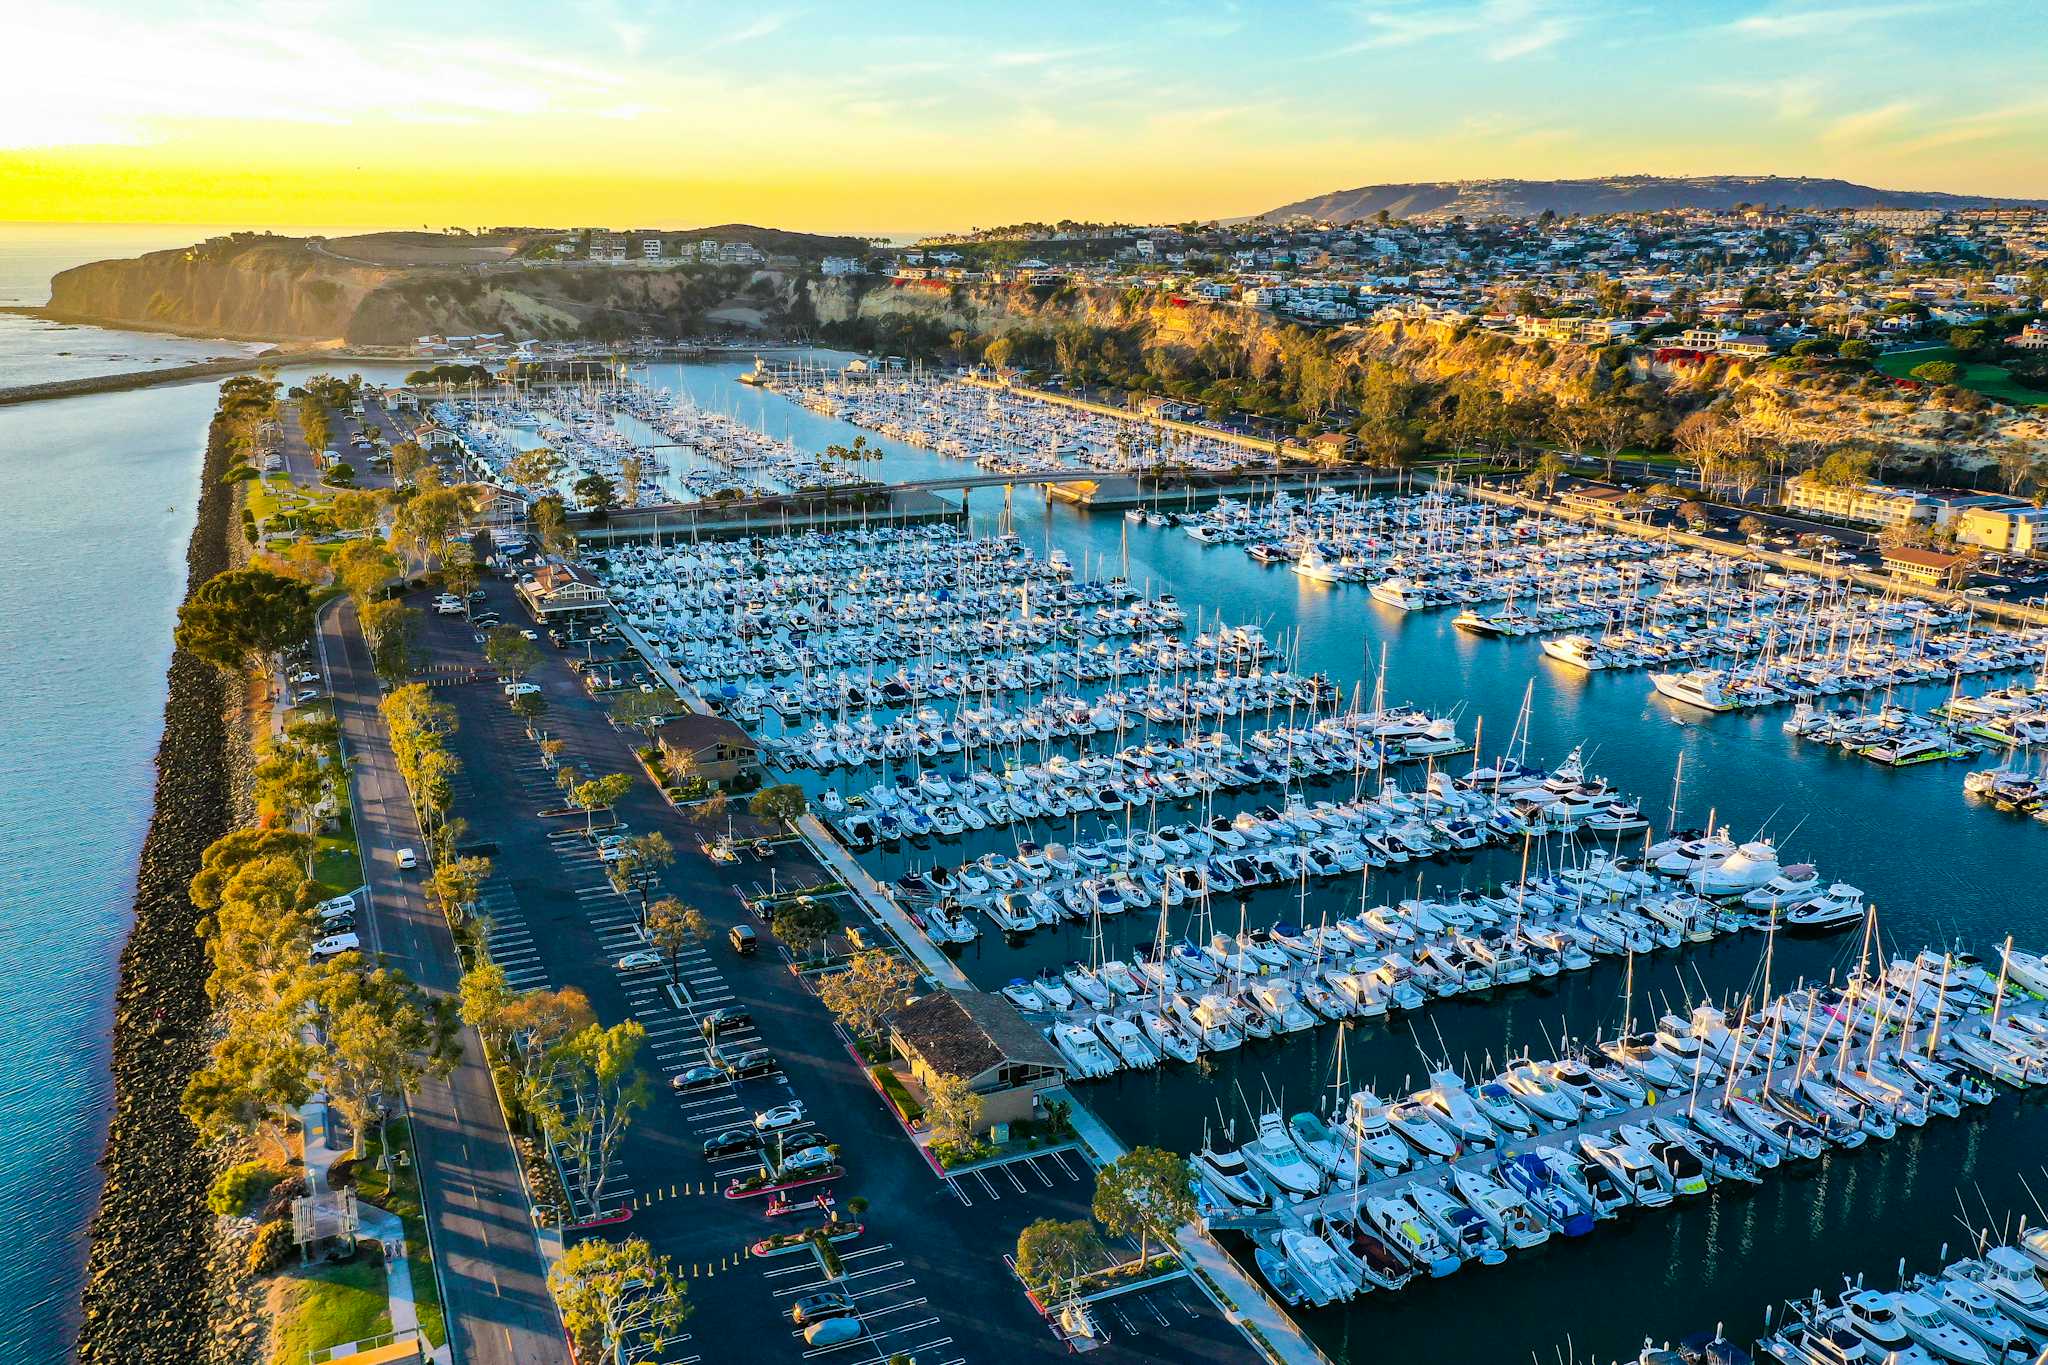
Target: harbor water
{"x": 1940, "y": 868}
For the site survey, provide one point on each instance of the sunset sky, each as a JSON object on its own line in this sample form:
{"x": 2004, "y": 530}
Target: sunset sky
{"x": 925, "y": 116}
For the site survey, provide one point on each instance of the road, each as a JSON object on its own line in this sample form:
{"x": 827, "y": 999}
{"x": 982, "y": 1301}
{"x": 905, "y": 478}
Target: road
{"x": 493, "y": 1278}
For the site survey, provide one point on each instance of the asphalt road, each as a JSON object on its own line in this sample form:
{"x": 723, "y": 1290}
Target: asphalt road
{"x": 928, "y": 1269}
{"x": 493, "y": 1279}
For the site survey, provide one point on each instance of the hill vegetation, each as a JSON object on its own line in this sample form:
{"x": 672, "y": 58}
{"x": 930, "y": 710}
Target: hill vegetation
{"x": 1614, "y": 194}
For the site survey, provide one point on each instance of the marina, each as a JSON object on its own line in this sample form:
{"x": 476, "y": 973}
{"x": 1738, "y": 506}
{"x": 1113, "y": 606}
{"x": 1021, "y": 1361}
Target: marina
{"x": 982, "y": 717}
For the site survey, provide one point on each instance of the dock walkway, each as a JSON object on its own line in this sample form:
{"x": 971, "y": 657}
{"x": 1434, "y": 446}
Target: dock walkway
{"x": 1248, "y": 1307}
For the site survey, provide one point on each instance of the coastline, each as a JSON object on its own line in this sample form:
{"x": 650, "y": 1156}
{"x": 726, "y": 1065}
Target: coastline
{"x": 50, "y": 314}
{"x": 146, "y": 1289}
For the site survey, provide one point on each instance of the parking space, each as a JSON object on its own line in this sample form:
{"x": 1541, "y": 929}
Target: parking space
{"x": 895, "y": 1317}
{"x": 1171, "y": 1321}
{"x": 509, "y": 937}
{"x": 1023, "y": 1177}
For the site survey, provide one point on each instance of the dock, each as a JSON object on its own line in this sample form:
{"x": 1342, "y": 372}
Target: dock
{"x": 1242, "y": 1299}
{"x": 1298, "y": 1213}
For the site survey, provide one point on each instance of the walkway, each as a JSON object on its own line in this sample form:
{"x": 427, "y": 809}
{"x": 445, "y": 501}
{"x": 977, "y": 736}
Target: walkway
{"x": 1248, "y": 1307}
{"x": 880, "y": 904}
{"x": 479, "y": 1221}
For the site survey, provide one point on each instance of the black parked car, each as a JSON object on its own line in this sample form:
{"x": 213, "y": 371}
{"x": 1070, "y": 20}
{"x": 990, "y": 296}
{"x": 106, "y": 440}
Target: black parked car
{"x": 697, "y": 1078}
{"x": 757, "y": 1062}
{"x": 731, "y": 1142}
{"x": 716, "y": 1022}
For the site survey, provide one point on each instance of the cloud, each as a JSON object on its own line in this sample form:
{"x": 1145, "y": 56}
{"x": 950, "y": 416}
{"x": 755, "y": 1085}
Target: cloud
{"x": 1796, "y": 97}
{"x": 1870, "y": 122}
{"x": 764, "y": 26}
{"x": 1983, "y": 126}
{"x": 1514, "y": 28}
{"x": 1821, "y": 21}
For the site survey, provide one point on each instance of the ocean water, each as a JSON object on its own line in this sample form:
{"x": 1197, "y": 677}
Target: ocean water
{"x": 92, "y": 565}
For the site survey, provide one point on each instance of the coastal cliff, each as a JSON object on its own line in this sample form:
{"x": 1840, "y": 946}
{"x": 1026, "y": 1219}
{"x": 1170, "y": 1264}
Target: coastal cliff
{"x": 1193, "y": 349}
{"x": 309, "y": 289}
{"x": 269, "y": 288}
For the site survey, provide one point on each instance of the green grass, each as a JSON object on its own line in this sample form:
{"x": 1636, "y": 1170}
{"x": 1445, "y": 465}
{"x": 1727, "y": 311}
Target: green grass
{"x": 336, "y": 863}
{"x": 327, "y": 1305}
{"x": 898, "y": 1093}
{"x": 1990, "y": 380}
{"x": 398, "y": 1191}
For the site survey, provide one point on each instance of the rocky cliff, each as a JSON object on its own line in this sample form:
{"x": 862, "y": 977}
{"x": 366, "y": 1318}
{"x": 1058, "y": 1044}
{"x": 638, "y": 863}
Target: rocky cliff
{"x": 289, "y": 289}
{"x": 267, "y": 289}
{"x": 1788, "y": 413}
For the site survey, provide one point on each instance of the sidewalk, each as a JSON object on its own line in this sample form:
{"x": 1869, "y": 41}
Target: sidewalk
{"x": 1246, "y": 1305}
{"x": 880, "y": 904}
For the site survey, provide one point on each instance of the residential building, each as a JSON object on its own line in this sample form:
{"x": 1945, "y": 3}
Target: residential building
{"x": 979, "y": 1038}
{"x": 2018, "y": 529}
{"x": 839, "y": 265}
{"x": 1873, "y": 504}
{"x": 650, "y": 248}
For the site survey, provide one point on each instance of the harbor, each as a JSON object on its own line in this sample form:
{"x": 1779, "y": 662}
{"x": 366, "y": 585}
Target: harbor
{"x": 964, "y": 723}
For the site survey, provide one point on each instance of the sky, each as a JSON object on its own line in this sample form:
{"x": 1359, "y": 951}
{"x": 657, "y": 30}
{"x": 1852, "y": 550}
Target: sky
{"x": 914, "y": 116}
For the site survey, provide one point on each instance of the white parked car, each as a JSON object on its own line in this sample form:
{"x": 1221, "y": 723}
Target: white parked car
{"x": 639, "y": 961}
{"x": 781, "y": 1116}
{"x": 521, "y": 689}
{"x": 808, "y": 1160}
{"x": 408, "y": 859}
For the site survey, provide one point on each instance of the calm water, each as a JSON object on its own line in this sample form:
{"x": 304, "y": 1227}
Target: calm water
{"x": 1938, "y": 868}
{"x": 92, "y": 564}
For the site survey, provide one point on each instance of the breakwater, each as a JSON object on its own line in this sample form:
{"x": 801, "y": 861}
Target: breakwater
{"x": 169, "y": 374}
{"x": 146, "y": 1289}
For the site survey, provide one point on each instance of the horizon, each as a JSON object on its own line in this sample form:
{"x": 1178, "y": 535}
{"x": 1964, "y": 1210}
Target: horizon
{"x": 659, "y": 112}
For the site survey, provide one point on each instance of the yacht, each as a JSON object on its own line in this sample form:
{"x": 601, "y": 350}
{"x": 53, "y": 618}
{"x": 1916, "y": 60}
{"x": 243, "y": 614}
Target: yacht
{"x": 1700, "y": 687}
{"x": 1328, "y": 1150}
{"x": 1226, "y": 1174}
{"x": 1639, "y": 1175}
{"x": 1577, "y": 651}
{"x": 1403, "y": 1225}
{"x": 1273, "y": 1154}
{"x": 1315, "y": 567}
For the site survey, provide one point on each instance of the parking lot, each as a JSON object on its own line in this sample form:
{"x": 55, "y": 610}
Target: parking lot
{"x": 923, "y": 1267}
{"x": 1173, "y": 1321}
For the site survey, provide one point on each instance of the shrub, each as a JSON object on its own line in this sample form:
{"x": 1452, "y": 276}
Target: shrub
{"x": 241, "y": 1185}
{"x": 342, "y": 1173}
{"x": 269, "y": 1249}
{"x": 899, "y": 1094}
{"x": 279, "y": 1203}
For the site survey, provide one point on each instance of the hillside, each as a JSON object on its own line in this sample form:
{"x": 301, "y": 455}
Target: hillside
{"x": 1420, "y": 375}
{"x": 388, "y": 288}
{"x": 1616, "y": 194}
